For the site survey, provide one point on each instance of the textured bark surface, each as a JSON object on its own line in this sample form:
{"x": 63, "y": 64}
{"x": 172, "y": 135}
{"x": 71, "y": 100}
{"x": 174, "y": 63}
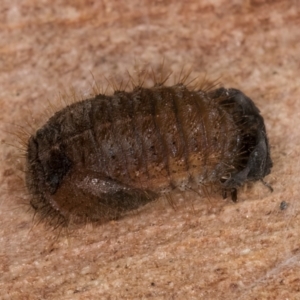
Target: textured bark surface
{"x": 206, "y": 248}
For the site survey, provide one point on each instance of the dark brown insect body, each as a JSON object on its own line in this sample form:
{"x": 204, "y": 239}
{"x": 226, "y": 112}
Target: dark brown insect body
{"x": 98, "y": 158}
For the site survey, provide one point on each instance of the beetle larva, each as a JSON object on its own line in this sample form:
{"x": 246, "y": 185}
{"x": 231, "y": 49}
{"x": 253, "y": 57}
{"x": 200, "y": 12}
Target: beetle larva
{"x": 98, "y": 158}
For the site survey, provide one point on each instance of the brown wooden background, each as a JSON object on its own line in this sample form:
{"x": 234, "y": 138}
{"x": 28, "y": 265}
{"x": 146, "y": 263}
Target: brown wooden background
{"x": 219, "y": 250}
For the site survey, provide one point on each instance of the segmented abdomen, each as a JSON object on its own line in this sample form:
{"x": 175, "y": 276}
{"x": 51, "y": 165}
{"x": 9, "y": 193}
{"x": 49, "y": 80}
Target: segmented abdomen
{"x": 157, "y": 139}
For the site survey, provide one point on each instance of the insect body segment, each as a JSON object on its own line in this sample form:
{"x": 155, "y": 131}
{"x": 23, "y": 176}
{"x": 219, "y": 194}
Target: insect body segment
{"x": 98, "y": 158}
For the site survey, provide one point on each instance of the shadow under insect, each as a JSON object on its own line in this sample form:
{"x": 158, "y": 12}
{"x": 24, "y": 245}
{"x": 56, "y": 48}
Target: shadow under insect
{"x": 99, "y": 158}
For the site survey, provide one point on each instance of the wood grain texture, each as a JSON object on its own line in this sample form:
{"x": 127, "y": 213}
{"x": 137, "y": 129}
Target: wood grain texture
{"x": 208, "y": 249}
